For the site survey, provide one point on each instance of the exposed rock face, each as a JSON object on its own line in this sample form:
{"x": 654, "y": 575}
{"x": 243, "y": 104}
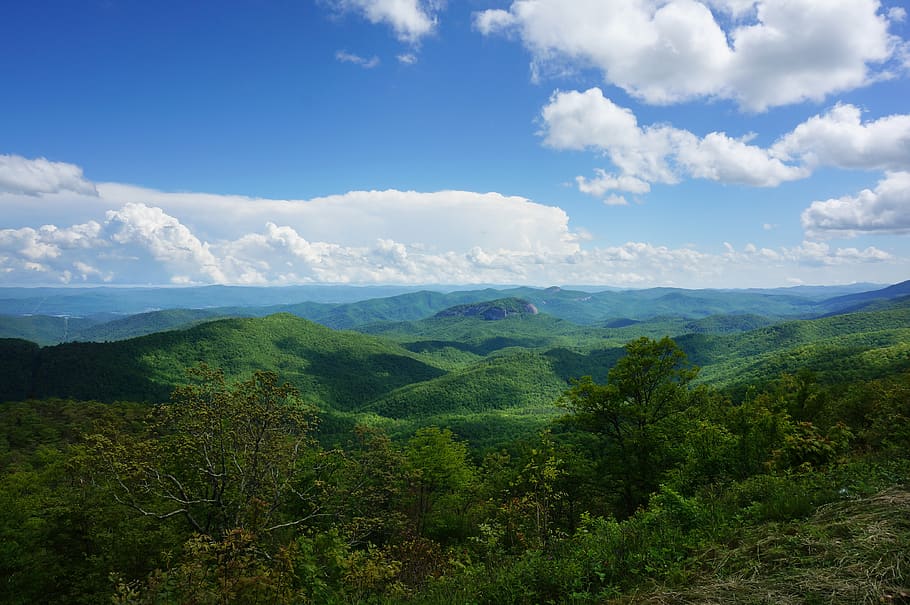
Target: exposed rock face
{"x": 491, "y": 310}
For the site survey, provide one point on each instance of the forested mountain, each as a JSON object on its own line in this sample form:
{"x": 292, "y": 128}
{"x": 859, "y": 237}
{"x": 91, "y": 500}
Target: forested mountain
{"x": 50, "y": 316}
{"x": 456, "y": 362}
{"x": 490, "y": 446}
{"x": 337, "y": 369}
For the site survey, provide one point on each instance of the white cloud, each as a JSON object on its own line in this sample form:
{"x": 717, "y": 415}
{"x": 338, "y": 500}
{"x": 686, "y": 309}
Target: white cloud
{"x": 40, "y": 176}
{"x": 616, "y": 200}
{"x": 494, "y": 21}
{"x": 28, "y": 243}
{"x": 661, "y": 153}
{"x": 444, "y": 220}
{"x": 410, "y": 19}
{"x": 455, "y": 237}
{"x": 671, "y": 51}
{"x": 346, "y": 57}
{"x": 607, "y": 182}
{"x": 885, "y": 209}
{"x": 49, "y": 241}
{"x": 840, "y": 138}
{"x": 167, "y": 240}
{"x": 819, "y": 253}
{"x": 407, "y": 58}
{"x": 142, "y": 244}
{"x": 717, "y": 157}
{"x": 653, "y": 154}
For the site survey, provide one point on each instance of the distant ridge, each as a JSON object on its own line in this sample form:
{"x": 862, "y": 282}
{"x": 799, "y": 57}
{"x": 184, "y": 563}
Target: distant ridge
{"x": 851, "y": 302}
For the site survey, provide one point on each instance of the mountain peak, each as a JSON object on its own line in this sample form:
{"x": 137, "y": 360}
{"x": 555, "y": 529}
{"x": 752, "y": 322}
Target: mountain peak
{"x": 491, "y": 310}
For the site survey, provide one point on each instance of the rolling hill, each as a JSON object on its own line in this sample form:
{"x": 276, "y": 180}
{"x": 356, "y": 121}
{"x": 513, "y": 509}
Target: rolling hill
{"x": 331, "y": 368}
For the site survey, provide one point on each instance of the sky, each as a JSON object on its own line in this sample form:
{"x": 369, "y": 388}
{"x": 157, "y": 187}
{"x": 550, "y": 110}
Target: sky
{"x": 625, "y": 143}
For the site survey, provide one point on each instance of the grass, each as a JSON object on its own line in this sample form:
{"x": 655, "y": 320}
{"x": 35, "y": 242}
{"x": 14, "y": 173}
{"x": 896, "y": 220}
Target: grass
{"x": 855, "y": 551}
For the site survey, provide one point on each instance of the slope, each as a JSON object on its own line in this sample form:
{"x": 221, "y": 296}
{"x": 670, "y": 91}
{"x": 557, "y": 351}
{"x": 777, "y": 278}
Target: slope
{"x": 333, "y": 369}
{"x": 852, "y": 346}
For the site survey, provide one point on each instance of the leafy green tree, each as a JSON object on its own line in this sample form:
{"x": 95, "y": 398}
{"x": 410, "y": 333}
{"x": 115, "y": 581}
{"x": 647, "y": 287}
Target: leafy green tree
{"x": 635, "y": 414}
{"x": 530, "y": 513}
{"x": 440, "y": 473}
{"x": 221, "y": 457}
{"x": 369, "y": 485}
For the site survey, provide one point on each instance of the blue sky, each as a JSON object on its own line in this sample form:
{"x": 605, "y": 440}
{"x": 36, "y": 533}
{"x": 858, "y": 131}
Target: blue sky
{"x": 721, "y": 143}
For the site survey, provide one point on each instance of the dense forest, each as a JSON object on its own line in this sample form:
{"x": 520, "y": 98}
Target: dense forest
{"x": 463, "y": 455}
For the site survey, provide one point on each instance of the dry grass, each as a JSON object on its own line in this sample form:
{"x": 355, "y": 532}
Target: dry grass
{"x": 847, "y": 552}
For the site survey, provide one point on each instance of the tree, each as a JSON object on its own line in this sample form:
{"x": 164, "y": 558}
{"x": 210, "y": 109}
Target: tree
{"x": 221, "y": 457}
{"x": 440, "y": 471}
{"x": 633, "y": 413}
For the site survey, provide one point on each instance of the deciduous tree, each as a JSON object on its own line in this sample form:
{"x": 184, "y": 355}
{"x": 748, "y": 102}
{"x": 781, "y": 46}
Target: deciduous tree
{"x": 634, "y": 412}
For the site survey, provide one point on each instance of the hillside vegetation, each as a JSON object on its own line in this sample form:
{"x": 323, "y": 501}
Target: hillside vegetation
{"x": 645, "y": 485}
{"x": 454, "y": 365}
{"x": 337, "y": 369}
{"x": 488, "y": 447}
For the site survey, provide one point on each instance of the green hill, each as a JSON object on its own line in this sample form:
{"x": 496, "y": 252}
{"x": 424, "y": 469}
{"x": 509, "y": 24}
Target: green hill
{"x": 837, "y": 348}
{"x": 336, "y": 369}
{"x": 43, "y": 329}
{"x": 513, "y": 379}
{"x": 142, "y": 324}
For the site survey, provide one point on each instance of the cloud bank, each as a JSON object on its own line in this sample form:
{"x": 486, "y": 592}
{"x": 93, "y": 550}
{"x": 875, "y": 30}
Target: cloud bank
{"x": 39, "y": 176}
{"x": 145, "y": 236}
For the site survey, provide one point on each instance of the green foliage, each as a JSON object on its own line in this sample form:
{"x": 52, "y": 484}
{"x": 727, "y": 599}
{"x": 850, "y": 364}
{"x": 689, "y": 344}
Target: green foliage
{"x": 441, "y": 479}
{"x": 655, "y": 481}
{"x": 43, "y": 329}
{"x": 636, "y": 413}
{"x": 17, "y": 358}
{"x": 60, "y": 538}
{"x": 512, "y": 379}
{"x": 838, "y": 349}
{"x": 330, "y": 368}
{"x": 231, "y": 569}
{"x": 219, "y": 457}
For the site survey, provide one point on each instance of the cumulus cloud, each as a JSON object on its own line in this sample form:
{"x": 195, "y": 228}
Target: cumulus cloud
{"x": 607, "y": 182}
{"x": 49, "y": 241}
{"x": 820, "y": 253}
{"x": 407, "y": 58}
{"x": 616, "y": 200}
{"x": 360, "y": 236}
{"x": 133, "y": 235}
{"x": 808, "y": 254}
{"x": 841, "y": 138}
{"x": 444, "y": 220}
{"x": 167, "y": 240}
{"x": 410, "y": 19}
{"x": 346, "y": 57}
{"x": 661, "y": 153}
{"x": 885, "y": 209}
{"x": 653, "y": 154}
{"x": 40, "y": 176}
{"x": 771, "y": 53}
{"x": 143, "y": 244}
